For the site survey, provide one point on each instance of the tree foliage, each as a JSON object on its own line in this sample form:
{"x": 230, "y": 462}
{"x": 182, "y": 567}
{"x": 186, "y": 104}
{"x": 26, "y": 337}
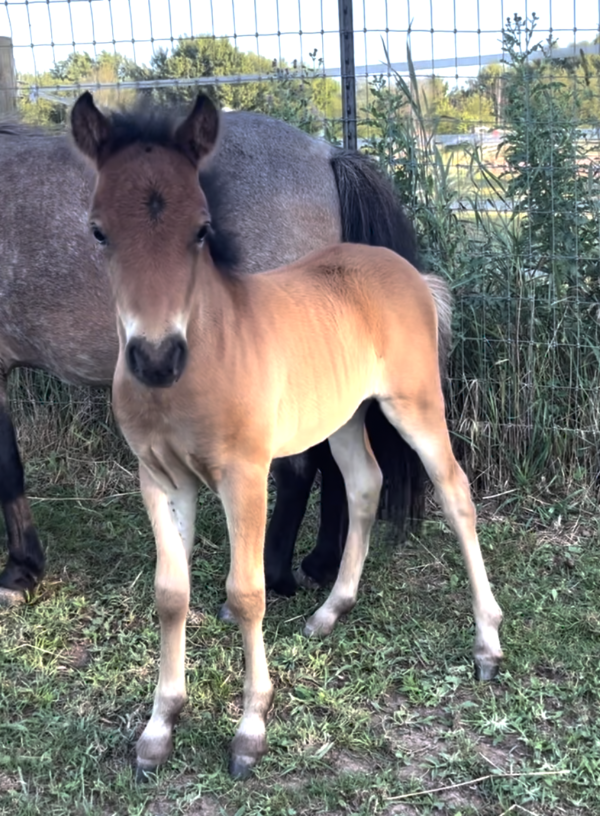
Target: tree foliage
{"x": 294, "y": 93}
{"x": 297, "y": 93}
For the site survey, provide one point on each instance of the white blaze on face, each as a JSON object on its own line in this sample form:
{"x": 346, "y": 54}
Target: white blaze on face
{"x": 179, "y": 325}
{"x": 133, "y": 327}
{"x": 130, "y": 326}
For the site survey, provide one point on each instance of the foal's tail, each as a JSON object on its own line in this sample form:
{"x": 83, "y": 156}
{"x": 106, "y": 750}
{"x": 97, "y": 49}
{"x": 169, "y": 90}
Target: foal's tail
{"x": 443, "y": 303}
{"x": 372, "y": 214}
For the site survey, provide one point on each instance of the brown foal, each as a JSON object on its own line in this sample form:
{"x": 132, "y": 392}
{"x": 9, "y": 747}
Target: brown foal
{"x": 220, "y": 373}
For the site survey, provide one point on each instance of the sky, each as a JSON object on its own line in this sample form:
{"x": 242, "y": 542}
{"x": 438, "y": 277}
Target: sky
{"x": 45, "y": 31}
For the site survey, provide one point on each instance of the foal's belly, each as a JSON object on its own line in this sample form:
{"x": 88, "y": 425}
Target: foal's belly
{"x": 316, "y": 416}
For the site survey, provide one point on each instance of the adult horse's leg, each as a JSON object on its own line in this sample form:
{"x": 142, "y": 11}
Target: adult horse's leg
{"x": 426, "y": 432}
{"x": 243, "y": 492}
{"x": 25, "y": 565}
{"x": 294, "y": 476}
{"x": 172, "y": 518}
{"x": 362, "y": 477}
{"x": 321, "y": 565}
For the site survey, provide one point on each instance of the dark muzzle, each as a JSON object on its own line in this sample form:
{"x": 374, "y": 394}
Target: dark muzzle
{"x": 157, "y": 366}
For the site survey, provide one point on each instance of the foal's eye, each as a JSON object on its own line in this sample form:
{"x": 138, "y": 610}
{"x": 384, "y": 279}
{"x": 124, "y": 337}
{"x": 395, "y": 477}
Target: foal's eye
{"x": 99, "y": 235}
{"x": 202, "y": 233}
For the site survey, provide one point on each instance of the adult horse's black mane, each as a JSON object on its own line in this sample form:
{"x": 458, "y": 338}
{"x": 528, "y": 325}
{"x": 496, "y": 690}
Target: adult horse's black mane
{"x": 153, "y": 126}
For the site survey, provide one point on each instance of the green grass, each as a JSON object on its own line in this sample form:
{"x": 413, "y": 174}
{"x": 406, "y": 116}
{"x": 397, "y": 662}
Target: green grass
{"x": 384, "y": 707}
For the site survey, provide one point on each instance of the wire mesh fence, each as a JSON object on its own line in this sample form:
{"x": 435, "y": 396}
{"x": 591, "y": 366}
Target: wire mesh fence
{"x": 485, "y": 114}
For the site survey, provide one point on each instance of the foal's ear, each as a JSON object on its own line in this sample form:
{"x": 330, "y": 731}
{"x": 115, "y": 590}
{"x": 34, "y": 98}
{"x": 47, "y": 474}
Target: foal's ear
{"x": 90, "y": 128}
{"x": 197, "y": 135}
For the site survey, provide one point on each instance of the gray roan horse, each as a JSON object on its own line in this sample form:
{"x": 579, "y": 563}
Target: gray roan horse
{"x": 219, "y": 373}
{"x": 274, "y": 193}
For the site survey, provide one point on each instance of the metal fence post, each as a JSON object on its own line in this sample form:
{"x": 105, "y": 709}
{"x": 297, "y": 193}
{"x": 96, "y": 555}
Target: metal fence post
{"x": 8, "y": 83}
{"x": 348, "y": 73}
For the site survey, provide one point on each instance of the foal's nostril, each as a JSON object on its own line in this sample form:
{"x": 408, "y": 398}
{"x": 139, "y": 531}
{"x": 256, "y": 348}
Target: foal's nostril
{"x": 157, "y": 366}
{"x": 179, "y": 357}
{"x": 134, "y": 356}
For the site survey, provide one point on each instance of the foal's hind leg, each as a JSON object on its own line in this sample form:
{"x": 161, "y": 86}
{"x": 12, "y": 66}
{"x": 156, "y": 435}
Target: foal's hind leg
{"x": 25, "y": 565}
{"x": 362, "y": 477}
{"x": 424, "y": 428}
{"x": 172, "y": 518}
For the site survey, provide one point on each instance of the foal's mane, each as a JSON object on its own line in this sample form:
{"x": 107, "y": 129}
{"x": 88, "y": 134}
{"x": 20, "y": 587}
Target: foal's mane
{"x": 143, "y": 123}
{"x": 151, "y": 125}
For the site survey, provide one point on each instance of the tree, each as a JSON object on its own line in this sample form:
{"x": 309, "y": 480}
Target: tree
{"x": 77, "y": 69}
{"x": 303, "y": 100}
{"x": 489, "y": 85}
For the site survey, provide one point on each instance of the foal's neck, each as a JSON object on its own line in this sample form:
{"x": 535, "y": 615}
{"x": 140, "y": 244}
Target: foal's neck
{"x": 220, "y": 301}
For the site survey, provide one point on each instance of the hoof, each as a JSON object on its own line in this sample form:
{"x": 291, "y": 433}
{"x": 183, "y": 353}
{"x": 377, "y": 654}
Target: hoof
{"x": 486, "y": 670}
{"x": 226, "y": 615}
{"x": 11, "y": 597}
{"x": 283, "y": 585}
{"x": 318, "y": 627}
{"x": 144, "y": 773}
{"x": 304, "y": 580}
{"x": 319, "y": 573}
{"x": 247, "y": 748}
{"x": 240, "y": 767}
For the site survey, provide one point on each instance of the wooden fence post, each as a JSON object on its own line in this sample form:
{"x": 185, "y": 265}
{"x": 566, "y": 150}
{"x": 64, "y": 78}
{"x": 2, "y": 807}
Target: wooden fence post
{"x": 8, "y": 79}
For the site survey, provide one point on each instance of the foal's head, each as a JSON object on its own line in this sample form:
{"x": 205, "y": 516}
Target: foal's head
{"x": 151, "y": 217}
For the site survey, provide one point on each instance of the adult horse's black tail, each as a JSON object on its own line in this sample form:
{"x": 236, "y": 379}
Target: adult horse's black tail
{"x": 372, "y": 214}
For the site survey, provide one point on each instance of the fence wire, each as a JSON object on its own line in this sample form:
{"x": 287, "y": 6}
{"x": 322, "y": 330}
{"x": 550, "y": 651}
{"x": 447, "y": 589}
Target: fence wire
{"x": 485, "y": 114}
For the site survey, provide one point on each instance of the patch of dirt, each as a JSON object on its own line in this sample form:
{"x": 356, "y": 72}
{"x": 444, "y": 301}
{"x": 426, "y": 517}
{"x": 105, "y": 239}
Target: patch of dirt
{"x": 459, "y": 799}
{"x": 499, "y": 756}
{"x": 75, "y": 657}
{"x": 345, "y": 762}
{"x": 204, "y": 806}
{"x": 10, "y": 598}
{"x": 9, "y": 782}
{"x": 195, "y": 617}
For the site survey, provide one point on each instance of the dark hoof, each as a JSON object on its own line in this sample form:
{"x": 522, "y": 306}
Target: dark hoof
{"x": 283, "y": 585}
{"x": 304, "y": 580}
{"x": 320, "y": 574}
{"x": 144, "y": 774}
{"x": 246, "y": 749}
{"x": 24, "y": 574}
{"x": 19, "y": 579}
{"x": 240, "y": 767}
{"x": 486, "y": 671}
{"x": 226, "y": 615}
{"x": 11, "y": 597}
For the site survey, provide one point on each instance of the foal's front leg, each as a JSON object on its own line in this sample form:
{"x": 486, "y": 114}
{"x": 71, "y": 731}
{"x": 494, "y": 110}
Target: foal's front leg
{"x": 172, "y": 516}
{"x": 243, "y": 492}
